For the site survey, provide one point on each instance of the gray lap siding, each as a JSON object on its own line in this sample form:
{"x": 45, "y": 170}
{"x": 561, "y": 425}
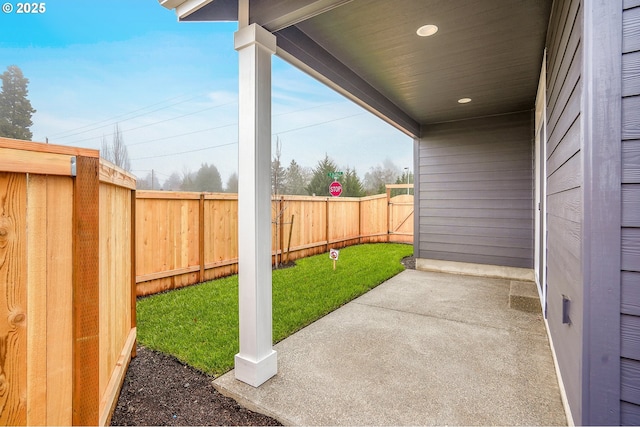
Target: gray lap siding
{"x": 630, "y": 239}
{"x": 476, "y": 191}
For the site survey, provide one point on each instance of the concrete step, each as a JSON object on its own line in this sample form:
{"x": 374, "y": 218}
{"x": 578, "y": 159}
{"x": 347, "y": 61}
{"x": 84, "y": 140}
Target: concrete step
{"x": 524, "y": 296}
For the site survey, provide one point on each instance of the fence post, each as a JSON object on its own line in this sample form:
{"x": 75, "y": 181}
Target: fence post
{"x": 360, "y": 220}
{"x": 327, "y": 222}
{"x": 86, "y": 302}
{"x": 280, "y": 218}
{"x": 388, "y": 213}
{"x": 201, "y": 236}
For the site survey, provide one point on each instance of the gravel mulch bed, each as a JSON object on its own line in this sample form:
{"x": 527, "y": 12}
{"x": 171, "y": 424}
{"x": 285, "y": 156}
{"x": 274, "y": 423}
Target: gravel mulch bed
{"x": 409, "y": 262}
{"x": 159, "y": 390}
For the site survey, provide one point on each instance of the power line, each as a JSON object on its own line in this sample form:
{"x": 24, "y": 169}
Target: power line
{"x": 156, "y": 171}
{"x": 185, "y": 152}
{"x": 155, "y": 123}
{"x": 231, "y": 143}
{"x": 316, "y": 124}
{"x": 117, "y": 116}
{"x": 182, "y": 134}
{"x": 226, "y": 125}
{"x": 132, "y": 117}
{"x": 165, "y": 120}
{"x": 309, "y": 108}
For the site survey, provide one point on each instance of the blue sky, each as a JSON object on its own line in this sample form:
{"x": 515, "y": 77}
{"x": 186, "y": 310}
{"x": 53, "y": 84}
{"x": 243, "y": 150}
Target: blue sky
{"x": 172, "y": 89}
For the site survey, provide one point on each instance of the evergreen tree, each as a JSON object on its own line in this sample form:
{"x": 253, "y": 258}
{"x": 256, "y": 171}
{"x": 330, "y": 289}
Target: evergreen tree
{"x": 173, "y": 183}
{"x": 208, "y": 179}
{"x": 15, "y": 107}
{"x": 405, "y": 178}
{"x": 351, "y": 184}
{"x": 295, "y": 180}
{"x": 320, "y": 181}
{"x": 232, "y": 184}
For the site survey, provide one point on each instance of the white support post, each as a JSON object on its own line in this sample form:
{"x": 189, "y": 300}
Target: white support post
{"x": 257, "y": 361}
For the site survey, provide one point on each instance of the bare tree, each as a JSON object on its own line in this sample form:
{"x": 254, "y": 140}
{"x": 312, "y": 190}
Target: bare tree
{"x": 277, "y": 171}
{"x": 116, "y": 152}
{"x": 188, "y": 180}
{"x": 380, "y": 175}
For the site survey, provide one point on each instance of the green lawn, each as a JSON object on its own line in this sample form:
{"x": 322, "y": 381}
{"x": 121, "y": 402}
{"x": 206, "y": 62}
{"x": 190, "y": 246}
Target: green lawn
{"x": 199, "y": 324}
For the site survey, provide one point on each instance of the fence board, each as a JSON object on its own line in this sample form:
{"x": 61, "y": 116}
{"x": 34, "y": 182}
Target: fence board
{"x": 59, "y": 300}
{"x": 13, "y": 274}
{"x": 37, "y": 381}
{"x": 115, "y": 279}
{"x": 66, "y": 295}
{"x": 221, "y": 231}
{"x": 373, "y": 219}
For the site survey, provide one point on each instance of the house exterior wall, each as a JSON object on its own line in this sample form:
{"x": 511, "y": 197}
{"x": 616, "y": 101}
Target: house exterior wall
{"x": 564, "y": 192}
{"x": 476, "y": 191}
{"x": 593, "y": 248}
{"x": 630, "y": 232}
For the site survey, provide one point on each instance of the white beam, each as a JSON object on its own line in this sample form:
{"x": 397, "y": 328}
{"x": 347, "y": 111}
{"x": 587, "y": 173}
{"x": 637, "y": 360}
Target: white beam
{"x": 243, "y": 13}
{"x": 276, "y": 17}
{"x": 257, "y": 361}
{"x": 184, "y": 7}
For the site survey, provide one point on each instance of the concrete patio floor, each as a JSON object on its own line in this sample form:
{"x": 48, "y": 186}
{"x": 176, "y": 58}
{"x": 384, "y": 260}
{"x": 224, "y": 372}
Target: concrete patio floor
{"x": 420, "y": 349}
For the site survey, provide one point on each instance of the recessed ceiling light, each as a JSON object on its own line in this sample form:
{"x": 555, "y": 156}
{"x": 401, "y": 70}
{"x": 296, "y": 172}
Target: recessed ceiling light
{"x": 427, "y": 30}
{"x": 464, "y": 100}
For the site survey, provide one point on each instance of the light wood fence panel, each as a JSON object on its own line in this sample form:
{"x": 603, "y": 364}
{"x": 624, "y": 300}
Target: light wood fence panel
{"x": 343, "y": 222}
{"x": 186, "y": 238}
{"x": 42, "y": 365}
{"x": 117, "y": 283}
{"x": 220, "y": 235}
{"x": 308, "y": 230}
{"x": 168, "y": 255}
{"x": 373, "y": 219}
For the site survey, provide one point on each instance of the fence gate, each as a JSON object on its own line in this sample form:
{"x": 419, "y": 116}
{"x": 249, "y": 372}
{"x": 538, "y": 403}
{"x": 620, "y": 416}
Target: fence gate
{"x": 400, "y": 213}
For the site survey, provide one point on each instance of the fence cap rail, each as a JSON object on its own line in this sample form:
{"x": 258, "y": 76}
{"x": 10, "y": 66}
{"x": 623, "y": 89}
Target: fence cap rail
{"x": 184, "y": 195}
{"x": 374, "y": 197}
{"x": 399, "y": 186}
{"x": 193, "y": 195}
{"x": 35, "y": 162}
{"x": 115, "y": 175}
{"x": 41, "y": 147}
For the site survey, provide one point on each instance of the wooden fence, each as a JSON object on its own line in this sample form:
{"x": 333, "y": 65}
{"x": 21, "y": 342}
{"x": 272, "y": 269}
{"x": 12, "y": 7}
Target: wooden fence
{"x": 186, "y": 238}
{"x": 67, "y": 298}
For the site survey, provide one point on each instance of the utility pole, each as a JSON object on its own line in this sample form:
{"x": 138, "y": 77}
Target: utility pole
{"x": 407, "y": 172}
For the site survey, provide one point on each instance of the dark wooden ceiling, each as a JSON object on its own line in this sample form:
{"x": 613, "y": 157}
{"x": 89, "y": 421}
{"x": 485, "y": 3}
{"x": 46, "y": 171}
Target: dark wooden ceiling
{"x": 487, "y": 50}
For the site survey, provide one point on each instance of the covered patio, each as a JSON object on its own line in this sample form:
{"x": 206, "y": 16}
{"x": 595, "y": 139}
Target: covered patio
{"x": 524, "y": 119}
{"x": 482, "y": 59}
{"x": 423, "y": 348}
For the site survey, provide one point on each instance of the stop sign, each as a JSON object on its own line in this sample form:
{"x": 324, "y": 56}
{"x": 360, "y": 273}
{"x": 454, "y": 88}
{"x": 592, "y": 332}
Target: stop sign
{"x": 335, "y": 189}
